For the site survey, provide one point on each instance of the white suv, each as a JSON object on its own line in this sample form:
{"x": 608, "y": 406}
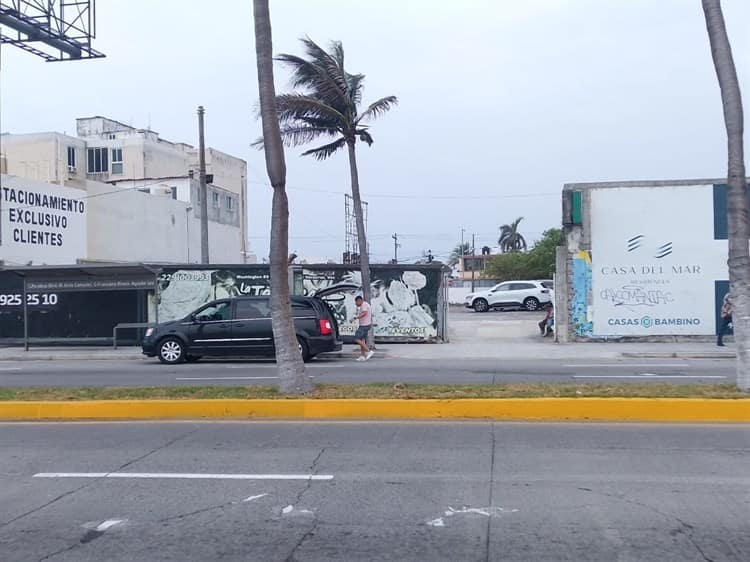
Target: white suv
{"x": 530, "y": 295}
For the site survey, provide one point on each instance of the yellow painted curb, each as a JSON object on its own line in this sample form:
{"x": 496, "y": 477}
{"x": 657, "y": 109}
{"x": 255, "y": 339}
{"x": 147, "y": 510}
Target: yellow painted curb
{"x": 599, "y": 409}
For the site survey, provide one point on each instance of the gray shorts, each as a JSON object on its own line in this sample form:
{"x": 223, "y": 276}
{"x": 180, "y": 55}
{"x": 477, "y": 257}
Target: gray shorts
{"x": 361, "y": 333}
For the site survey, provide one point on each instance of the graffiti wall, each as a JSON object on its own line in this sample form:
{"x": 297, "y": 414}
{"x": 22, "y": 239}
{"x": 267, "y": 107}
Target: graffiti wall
{"x": 405, "y": 302}
{"x": 579, "y": 305}
{"x": 181, "y": 291}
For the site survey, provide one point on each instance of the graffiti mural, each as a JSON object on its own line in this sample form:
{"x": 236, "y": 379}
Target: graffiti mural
{"x": 183, "y": 290}
{"x": 404, "y": 302}
{"x": 579, "y": 305}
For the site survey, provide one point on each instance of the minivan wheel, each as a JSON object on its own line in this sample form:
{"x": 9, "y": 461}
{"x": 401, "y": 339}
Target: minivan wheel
{"x": 481, "y": 305}
{"x": 303, "y": 350}
{"x": 171, "y": 351}
{"x": 531, "y": 304}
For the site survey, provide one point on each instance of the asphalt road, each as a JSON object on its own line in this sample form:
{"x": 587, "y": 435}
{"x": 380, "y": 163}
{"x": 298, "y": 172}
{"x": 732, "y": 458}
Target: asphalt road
{"x": 346, "y": 370}
{"x": 381, "y": 491}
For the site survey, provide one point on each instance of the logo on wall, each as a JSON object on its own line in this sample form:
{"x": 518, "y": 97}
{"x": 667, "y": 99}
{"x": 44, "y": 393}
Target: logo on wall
{"x": 664, "y": 250}
{"x": 636, "y": 242}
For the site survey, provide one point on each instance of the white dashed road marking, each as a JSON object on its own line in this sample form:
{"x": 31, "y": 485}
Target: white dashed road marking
{"x": 648, "y": 376}
{"x": 183, "y": 475}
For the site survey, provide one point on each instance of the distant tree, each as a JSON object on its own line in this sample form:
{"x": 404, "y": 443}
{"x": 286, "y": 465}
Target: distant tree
{"x": 329, "y": 106}
{"x": 537, "y": 263}
{"x": 737, "y": 207}
{"x": 460, "y": 250}
{"x": 292, "y": 376}
{"x": 510, "y": 239}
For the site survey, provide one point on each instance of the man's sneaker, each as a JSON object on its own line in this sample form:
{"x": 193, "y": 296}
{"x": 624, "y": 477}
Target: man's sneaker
{"x": 369, "y": 355}
{"x": 362, "y": 358}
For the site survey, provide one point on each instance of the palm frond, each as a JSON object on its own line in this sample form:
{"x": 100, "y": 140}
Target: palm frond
{"x": 327, "y": 61}
{"x": 296, "y": 107}
{"x": 315, "y": 79}
{"x": 378, "y": 108}
{"x": 355, "y": 84}
{"x": 337, "y": 53}
{"x": 365, "y": 136}
{"x": 323, "y": 152}
{"x": 296, "y": 135}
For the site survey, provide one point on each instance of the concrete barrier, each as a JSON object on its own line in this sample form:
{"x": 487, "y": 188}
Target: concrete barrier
{"x": 594, "y": 409}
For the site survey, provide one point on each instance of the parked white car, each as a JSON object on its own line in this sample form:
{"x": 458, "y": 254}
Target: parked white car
{"x": 529, "y": 295}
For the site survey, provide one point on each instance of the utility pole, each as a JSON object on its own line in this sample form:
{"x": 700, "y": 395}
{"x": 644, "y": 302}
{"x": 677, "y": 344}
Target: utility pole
{"x": 473, "y": 261}
{"x": 395, "y": 247}
{"x": 463, "y": 254}
{"x": 203, "y": 189}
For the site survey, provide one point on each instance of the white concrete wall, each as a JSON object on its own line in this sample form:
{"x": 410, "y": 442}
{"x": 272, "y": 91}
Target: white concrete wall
{"x": 456, "y": 295}
{"x": 133, "y": 226}
{"x": 159, "y": 188}
{"x": 654, "y": 261}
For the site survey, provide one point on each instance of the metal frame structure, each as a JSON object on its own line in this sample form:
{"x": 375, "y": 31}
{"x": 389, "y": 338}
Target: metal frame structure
{"x": 55, "y": 30}
{"x": 351, "y": 238}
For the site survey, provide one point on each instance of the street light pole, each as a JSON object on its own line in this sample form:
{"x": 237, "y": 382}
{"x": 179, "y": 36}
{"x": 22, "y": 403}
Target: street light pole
{"x": 463, "y": 256}
{"x": 204, "y": 190}
{"x": 473, "y": 261}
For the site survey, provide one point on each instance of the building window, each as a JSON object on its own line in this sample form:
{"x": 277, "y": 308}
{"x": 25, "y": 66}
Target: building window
{"x": 117, "y": 160}
{"x": 229, "y": 202}
{"x": 71, "y": 159}
{"x": 98, "y": 160}
{"x": 111, "y": 136}
{"x": 215, "y": 199}
{"x": 474, "y": 264}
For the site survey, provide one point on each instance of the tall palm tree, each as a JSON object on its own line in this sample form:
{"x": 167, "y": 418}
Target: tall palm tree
{"x": 510, "y": 239}
{"x": 737, "y": 205}
{"x": 292, "y": 376}
{"x": 461, "y": 249}
{"x": 328, "y": 105}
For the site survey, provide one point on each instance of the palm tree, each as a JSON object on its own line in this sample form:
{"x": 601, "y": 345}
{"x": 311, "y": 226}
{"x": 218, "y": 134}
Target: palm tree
{"x": 510, "y": 239}
{"x": 737, "y": 207}
{"x": 292, "y": 376}
{"x": 328, "y": 106}
{"x": 461, "y": 249}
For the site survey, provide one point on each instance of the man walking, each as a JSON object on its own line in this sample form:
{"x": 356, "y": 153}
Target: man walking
{"x": 364, "y": 316}
{"x": 726, "y": 319}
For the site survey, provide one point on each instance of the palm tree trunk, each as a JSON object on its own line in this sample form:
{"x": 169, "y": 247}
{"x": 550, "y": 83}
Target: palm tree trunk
{"x": 737, "y": 197}
{"x": 364, "y": 256}
{"x": 292, "y": 376}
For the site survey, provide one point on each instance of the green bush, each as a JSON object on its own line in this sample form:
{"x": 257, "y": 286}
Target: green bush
{"x": 537, "y": 263}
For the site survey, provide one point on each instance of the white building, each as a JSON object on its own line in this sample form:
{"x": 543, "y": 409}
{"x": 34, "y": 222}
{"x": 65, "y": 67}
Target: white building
{"x": 141, "y": 194}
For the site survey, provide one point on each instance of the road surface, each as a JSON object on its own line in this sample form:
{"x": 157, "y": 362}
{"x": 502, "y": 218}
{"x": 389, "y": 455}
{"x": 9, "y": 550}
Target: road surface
{"x": 347, "y": 371}
{"x": 351, "y": 491}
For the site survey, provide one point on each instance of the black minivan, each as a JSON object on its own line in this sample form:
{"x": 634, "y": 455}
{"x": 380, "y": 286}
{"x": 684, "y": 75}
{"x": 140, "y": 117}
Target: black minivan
{"x": 241, "y": 326}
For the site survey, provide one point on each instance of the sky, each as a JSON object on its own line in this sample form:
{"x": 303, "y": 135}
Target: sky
{"x": 501, "y": 102}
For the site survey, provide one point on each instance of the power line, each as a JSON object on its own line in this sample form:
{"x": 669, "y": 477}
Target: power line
{"x": 421, "y": 197}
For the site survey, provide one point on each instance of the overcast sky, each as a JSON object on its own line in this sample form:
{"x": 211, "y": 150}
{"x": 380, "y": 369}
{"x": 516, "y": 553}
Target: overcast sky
{"x": 501, "y": 103}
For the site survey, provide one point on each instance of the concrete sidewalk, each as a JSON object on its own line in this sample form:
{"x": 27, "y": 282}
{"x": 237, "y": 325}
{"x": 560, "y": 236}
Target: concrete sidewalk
{"x": 530, "y": 349}
{"x": 485, "y": 348}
